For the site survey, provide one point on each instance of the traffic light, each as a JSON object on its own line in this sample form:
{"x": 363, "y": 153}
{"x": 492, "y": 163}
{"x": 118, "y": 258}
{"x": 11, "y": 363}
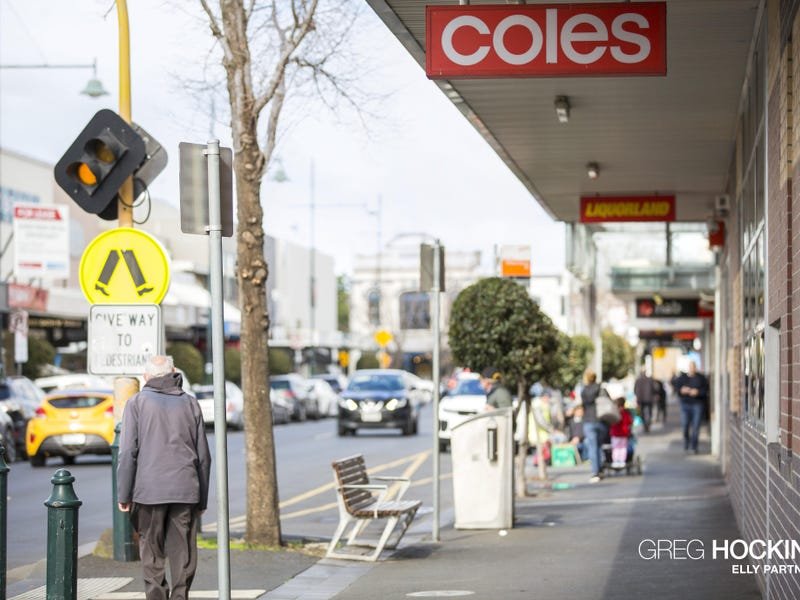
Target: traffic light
{"x": 101, "y": 158}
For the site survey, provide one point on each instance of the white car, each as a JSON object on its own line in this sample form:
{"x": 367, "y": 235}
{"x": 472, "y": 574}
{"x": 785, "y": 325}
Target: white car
{"x": 73, "y": 380}
{"x": 234, "y": 404}
{"x": 327, "y": 398}
{"x": 465, "y": 400}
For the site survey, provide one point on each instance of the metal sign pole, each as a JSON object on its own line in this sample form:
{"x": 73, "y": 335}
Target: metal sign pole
{"x": 437, "y": 253}
{"x": 217, "y": 346}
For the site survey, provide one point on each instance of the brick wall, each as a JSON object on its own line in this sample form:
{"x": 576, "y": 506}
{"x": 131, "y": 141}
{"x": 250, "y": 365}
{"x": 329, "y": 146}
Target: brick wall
{"x": 764, "y": 479}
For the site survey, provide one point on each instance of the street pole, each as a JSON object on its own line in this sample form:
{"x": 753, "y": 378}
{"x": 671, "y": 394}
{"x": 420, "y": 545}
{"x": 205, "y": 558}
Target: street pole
{"x": 218, "y": 359}
{"x": 437, "y": 252}
{"x": 311, "y": 279}
{"x": 124, "y": 387}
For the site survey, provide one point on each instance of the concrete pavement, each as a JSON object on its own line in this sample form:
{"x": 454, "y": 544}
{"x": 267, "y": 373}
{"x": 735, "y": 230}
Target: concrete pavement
{"x": 576, "y": 540}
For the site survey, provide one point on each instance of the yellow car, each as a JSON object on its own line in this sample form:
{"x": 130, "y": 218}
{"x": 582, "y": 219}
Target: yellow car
{"x": 69, "y": 423}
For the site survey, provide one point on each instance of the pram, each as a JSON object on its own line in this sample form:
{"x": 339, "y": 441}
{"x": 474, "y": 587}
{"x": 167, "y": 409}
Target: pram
{"x": 633, "y": 462}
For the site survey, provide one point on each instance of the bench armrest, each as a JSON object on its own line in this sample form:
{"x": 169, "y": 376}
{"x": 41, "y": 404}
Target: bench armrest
{"x": 404, "y": 482}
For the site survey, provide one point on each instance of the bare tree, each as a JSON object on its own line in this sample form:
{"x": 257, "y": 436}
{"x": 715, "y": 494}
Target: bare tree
{"x": 271, "y": 51}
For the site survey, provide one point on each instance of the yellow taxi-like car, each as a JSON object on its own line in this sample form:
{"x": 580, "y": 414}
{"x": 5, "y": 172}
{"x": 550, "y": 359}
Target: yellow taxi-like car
{"x": 69, "y": 423}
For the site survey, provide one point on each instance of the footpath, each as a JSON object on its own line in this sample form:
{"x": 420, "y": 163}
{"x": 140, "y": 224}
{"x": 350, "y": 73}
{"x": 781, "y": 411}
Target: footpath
{"x": 571, "y": 539}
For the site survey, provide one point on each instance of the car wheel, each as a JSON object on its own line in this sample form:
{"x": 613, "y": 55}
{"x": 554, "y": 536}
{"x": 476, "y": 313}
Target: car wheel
{"x": 68, "y": 460}
{"x": 408, "y": 428}
{"x": 443, "y": 446}
{"x": 343, "y": 431}
{"x": 37, "y": 460}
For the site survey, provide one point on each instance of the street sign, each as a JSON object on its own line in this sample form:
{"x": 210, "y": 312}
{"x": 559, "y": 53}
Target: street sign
{"x": 194, "y": 189}
{"x": 427, "y": 269}
{"x": 41, "y": 241}
{"x": 18, "y": 324}
{"x": 515, "y": 261}
{"x": 124, "y": 266}
{"x": 383, "y": 338}
{"x": 122, "y": 337}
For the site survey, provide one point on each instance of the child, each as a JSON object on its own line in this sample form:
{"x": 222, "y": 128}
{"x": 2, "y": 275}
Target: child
{"x": 620, "y": 432}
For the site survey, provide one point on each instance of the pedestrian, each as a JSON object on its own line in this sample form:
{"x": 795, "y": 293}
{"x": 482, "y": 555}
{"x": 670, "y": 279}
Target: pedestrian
{"x": 620, "y": 436}
{"x": 692, "y": 390}
{"x": 574, "y": 432}
{"x": 497, "y": 395}
{"x": 594, "y": 430}
{"x": 162, "y": 477}
{"x": 660, "y": 400}
{"x": 643, "y": 390}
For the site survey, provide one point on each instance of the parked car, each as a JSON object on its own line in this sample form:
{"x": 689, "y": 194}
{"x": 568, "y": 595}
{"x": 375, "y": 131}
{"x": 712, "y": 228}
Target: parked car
{"x": 380, "y": 398}
{"x": 234, "y": 404}
{"x": 19, "y": 399}
{"x": 73, "y": 381}
{"x": 282, "y": 406}
{"x": 337, "y": 382}
{"x": 7, "y": 437}
{"x": 299, "y": 392}
{"x": 326, "y": 397}
{"x": 69, "y": 423}
{"x": 465, "y": 400}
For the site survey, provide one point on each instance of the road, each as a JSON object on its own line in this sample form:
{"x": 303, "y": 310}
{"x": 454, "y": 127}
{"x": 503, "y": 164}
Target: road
{"x": 305, "y": 483}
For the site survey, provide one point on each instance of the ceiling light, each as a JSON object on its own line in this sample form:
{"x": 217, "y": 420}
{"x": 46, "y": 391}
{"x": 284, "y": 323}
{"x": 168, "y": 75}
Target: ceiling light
{"x": 593, "y": 170}
{"x": 562, "y": 109}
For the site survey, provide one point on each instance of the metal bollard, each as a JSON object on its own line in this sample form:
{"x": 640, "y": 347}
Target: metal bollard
{"x": 125, "y": 550}
{"x": 3, "y": 519}
{"x": 62, "y": 538}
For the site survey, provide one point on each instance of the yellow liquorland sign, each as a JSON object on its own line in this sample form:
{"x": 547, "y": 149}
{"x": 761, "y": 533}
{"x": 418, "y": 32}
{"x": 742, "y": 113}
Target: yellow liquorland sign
{"x": 627, "y": 208}
{"x": 124, "y": 266}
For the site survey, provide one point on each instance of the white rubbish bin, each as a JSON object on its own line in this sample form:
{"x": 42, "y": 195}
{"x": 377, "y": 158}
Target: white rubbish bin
{"x": 481, "y": 450}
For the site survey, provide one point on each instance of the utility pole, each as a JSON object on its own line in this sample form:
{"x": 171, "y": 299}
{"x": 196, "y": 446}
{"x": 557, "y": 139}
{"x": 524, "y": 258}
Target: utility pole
{"x": 311, "y": 276}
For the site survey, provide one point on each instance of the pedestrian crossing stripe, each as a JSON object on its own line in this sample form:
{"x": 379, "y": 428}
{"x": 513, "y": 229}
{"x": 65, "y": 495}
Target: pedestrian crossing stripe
{"x": 124, "y": 266}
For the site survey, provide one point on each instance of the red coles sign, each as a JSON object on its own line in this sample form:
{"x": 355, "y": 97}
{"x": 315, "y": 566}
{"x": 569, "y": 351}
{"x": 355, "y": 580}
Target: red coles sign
{"x": 545, "y": 40}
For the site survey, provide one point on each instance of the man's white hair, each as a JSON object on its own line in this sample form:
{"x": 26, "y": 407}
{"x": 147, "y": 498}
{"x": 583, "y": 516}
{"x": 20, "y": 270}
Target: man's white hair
{"x": 158, "y": 365}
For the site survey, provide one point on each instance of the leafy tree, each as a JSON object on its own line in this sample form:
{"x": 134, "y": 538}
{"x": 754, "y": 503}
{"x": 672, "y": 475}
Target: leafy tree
{"x": 575, "y": 353}
{"x": 189, "y": 359}
{"x": 343, "y": 302}
{"x": 618, "y": 356}
{"x": 368, "y": 360}
{"x": 494, "y": 322}
{"x": 271, "y": 52}
{"x": 233, "y": 365}
{"x": 40, "y": 353}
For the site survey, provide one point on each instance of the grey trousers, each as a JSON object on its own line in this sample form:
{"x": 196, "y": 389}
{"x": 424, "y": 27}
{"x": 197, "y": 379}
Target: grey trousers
{"x": 167, "y": 532}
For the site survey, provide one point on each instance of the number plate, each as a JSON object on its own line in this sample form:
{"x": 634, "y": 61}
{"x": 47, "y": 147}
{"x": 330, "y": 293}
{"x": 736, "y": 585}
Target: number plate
{"x": 371, "y": 417}
{"x": 73, "y": 439}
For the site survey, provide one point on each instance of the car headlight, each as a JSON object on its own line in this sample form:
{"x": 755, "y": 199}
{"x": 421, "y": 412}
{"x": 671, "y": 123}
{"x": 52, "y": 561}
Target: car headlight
{"x": 396, "y": 403}
{"x": 349, "y": 404}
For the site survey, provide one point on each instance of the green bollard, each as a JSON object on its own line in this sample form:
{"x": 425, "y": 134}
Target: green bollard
{"x": 3, "y": 519}
{"x": 125, "y": 550}
{"x": 62, "y": 538}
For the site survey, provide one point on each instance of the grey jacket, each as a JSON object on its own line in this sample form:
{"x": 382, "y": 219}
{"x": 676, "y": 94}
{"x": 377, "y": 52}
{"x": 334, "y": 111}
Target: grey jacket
{"x": 163, "y": 451}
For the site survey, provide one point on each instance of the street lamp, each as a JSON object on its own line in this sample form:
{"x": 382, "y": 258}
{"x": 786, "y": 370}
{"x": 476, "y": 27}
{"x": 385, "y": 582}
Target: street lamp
{"x": 94, "y": 87}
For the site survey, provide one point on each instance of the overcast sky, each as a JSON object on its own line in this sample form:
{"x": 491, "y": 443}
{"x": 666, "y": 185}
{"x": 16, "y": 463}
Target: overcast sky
{"x": 433, "y": 172}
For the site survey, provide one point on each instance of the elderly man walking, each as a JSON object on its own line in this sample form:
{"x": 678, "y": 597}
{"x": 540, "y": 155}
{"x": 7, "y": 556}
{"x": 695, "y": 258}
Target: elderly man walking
{"x": 162, "y": 477}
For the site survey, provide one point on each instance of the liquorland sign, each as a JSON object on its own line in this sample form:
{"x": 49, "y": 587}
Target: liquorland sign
{"x": 546, "y": 40}
{"x": 599, "y": 209}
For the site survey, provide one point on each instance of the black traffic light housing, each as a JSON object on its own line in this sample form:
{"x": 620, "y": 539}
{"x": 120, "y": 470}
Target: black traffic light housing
{"x": 101, "y": 158}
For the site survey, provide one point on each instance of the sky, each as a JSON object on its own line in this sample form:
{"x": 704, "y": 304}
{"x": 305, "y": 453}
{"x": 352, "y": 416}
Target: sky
{"x": 430, "y": 169}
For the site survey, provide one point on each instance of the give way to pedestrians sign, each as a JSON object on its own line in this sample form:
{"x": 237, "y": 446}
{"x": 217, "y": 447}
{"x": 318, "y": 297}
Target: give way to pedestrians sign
{"x": 122, "y": 337}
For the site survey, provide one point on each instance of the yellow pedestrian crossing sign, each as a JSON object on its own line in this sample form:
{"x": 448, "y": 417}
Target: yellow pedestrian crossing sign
{"x": 124, "y": 266}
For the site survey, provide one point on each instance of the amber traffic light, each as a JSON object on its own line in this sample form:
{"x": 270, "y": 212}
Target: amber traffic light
{"x": 101, "y": 158}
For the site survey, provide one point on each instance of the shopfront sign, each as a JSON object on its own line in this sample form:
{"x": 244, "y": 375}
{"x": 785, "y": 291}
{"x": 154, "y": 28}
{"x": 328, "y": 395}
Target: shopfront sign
{"x": 616, "y": 209}
{"x": 672, "y": 308}
{"x": 546, "y": 40}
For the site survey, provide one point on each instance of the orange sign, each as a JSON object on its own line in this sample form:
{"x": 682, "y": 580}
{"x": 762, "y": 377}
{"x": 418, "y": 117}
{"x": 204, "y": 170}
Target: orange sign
{"x": 627, "y": 208}
{"x": 515, "y": 268}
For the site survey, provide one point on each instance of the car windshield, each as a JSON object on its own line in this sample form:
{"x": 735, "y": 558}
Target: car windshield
{"x": 469, "y": 387}
{"x": 76, "y": 401}
{"x": 202, "y": 394}
{"x": 280, "y": 384}
{"x": 363, "y": 383}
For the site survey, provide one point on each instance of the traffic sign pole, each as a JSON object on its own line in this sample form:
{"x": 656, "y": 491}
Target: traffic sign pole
{"x": 218, "y": 360}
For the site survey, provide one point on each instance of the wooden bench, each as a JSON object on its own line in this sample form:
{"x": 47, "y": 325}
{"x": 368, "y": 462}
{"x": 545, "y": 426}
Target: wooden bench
{"x": 358, "y": 507}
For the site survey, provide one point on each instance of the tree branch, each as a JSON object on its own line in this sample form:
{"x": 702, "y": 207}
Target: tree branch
{"x": 216, "y": 30}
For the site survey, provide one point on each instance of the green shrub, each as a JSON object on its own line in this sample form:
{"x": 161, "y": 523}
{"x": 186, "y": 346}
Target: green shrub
{"x": 280, "y": 361}
{"x": 40, "y": 353}
{"x": 368, "y": 361}
{"x": 233, "y": 365}
{"x": 189, "y": 359}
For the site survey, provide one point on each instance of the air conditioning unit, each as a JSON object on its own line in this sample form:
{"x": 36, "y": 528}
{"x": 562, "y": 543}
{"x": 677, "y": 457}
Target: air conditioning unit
{"x": 722, "y": 204}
